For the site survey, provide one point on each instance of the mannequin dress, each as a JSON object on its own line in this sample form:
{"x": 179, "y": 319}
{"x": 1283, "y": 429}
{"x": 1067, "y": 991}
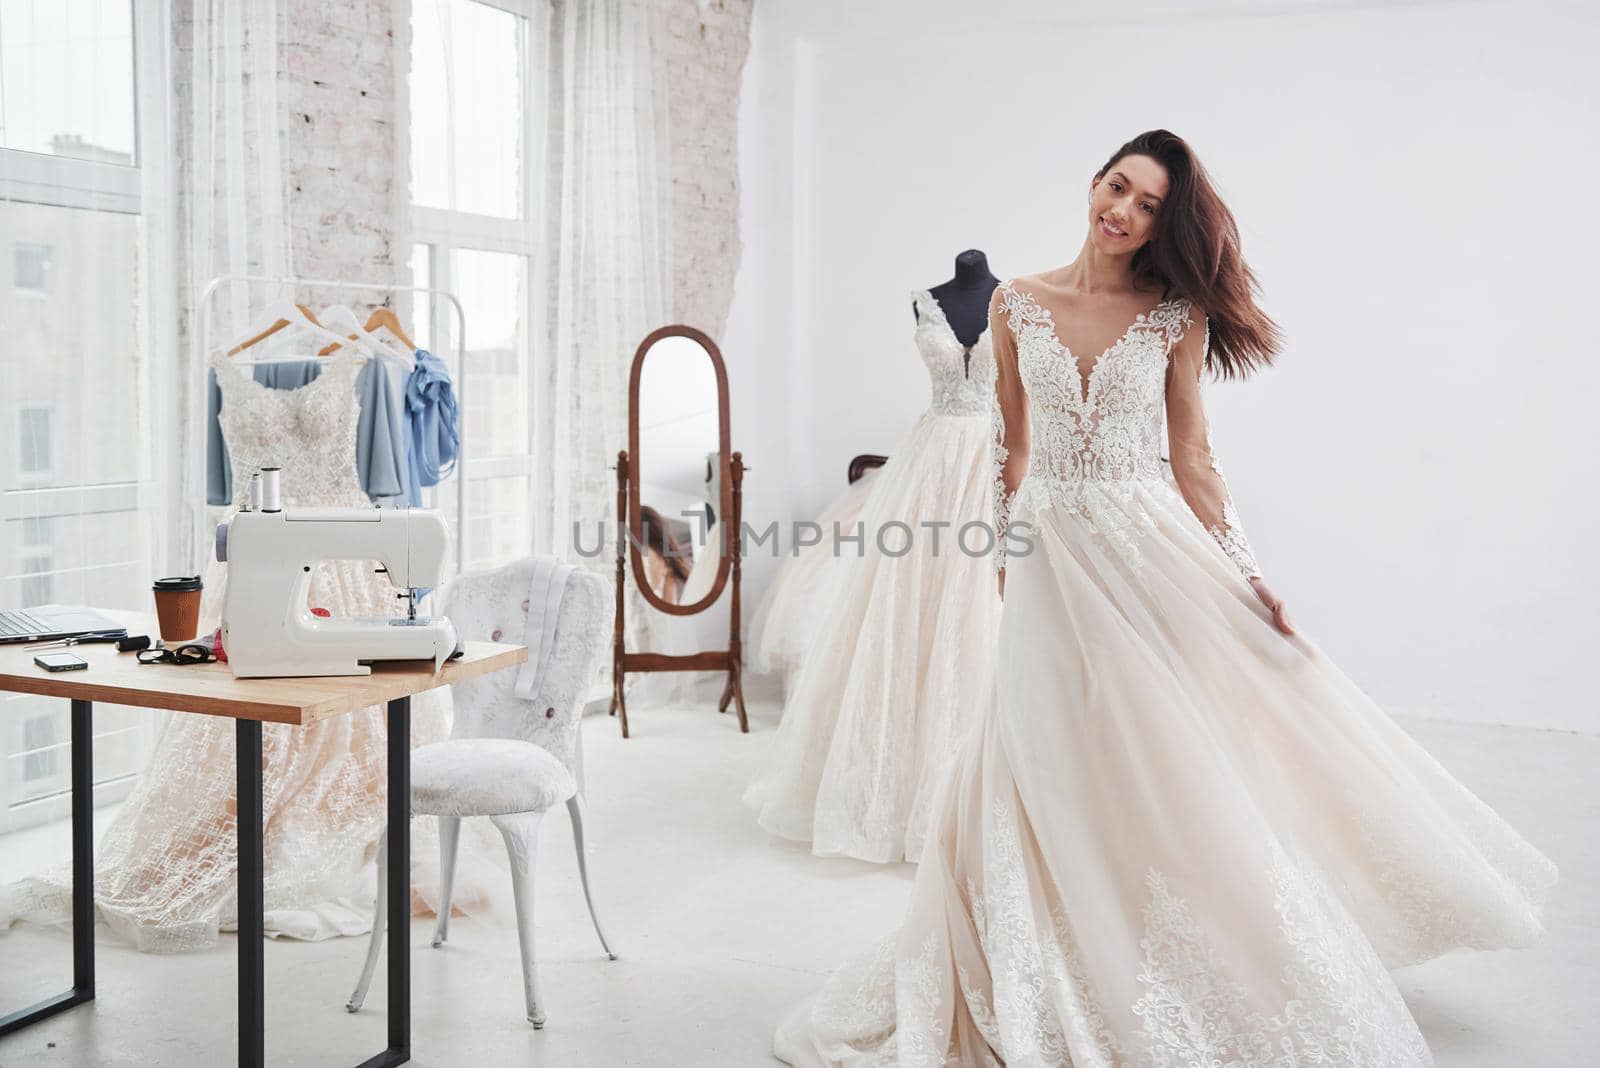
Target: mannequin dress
{"x": 901, "y": 659}
{"x": 1178, "y": 837}
{"x": 166, "y": 870}
{"x": 792, "y": 610}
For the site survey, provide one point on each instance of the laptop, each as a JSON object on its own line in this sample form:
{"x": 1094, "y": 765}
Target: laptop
{"x": 55, "y": 621}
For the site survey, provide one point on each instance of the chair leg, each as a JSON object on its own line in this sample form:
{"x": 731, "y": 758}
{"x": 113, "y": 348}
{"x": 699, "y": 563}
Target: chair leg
{"x": 521, "y": 832}
{"x": 575, "y": 809}
{"x": 380, "y": 912}
{"x": 449, "y": 838}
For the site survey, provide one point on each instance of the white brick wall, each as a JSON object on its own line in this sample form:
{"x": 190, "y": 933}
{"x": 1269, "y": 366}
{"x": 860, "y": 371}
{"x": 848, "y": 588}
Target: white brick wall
{"x": 336, "y": 103}
{"x": 346, "y": 183}
{"x": 702, "y": 48}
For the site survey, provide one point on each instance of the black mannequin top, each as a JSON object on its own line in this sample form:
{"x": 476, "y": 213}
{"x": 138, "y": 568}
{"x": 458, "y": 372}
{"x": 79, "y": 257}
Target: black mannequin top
{"x": 965, "y": 298}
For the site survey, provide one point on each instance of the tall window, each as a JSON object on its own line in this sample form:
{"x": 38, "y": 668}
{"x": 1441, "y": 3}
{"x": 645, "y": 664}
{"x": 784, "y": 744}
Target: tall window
{"x": 80, "y": 505}
{"x": 472, "y": 134}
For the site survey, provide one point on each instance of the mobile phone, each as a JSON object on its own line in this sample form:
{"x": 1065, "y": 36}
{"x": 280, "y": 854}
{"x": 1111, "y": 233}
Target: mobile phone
{"x": 60, "y": 662}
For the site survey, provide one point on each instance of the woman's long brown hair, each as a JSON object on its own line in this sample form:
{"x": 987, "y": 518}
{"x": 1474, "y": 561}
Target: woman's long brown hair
{"x": 1194, "y": 253}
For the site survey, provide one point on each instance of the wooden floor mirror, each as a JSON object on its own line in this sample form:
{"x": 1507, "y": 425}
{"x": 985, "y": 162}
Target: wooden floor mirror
{"x": 679, "y": 497}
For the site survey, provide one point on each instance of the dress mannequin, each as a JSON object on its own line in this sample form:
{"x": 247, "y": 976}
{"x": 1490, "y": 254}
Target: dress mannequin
{"x": 884, "y": 699}
{"x": 965, "y": 298}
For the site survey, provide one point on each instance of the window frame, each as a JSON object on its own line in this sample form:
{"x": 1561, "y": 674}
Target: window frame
{"x": 143, "y": 188}
{"x": 446, "y": 232}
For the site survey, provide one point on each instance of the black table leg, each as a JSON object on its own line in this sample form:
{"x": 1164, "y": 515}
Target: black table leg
{"x": 83, "y": 849}
{"x": 252, "y": 950}
{"x": 400, "y": 879}
{"x": 252, "y": 962}
{"x": 399, "y": 1050}
{"x": 82, "y": 879}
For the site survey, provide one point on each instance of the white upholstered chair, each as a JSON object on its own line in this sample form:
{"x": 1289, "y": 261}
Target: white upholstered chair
{"x": 508, "y": 758}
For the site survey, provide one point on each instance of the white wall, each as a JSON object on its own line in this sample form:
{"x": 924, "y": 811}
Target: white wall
{"x": 1415, "y": 187}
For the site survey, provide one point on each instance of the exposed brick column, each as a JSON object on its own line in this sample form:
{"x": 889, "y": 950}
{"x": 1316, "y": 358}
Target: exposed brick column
{"x": 702, "y": 45}
{"x": 346, "y": 183}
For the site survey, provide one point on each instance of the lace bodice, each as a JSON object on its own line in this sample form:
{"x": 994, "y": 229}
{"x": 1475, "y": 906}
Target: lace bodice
{"x": 1063, "y": 436}
{"x": 1109, "y": 426}
{"x": 962, "y": 376}
{"x": 309, "y": 432}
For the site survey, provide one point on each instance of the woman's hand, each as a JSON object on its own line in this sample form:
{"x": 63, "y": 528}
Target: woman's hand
{"x": 1280, "y": 614}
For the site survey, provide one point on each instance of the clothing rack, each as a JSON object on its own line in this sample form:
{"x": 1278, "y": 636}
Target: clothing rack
{"x": 202, "y": 359}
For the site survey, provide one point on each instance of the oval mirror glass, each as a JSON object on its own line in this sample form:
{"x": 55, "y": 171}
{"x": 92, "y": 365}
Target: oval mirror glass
{"x": 679, "y": 460}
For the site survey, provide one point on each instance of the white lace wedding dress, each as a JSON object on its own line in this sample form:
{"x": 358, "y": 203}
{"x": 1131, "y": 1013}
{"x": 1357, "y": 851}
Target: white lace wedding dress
{"x": 166, "y": 868}
{"x": 900, "y": 663}
{"x": 1178, "y": 837}
{"x": 783, "y": 624}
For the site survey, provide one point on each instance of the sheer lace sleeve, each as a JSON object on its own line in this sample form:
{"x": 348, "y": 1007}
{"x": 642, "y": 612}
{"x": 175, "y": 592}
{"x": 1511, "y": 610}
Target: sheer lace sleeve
{"x": 1194, "y": 465}
{"x": 1009, "y": 450}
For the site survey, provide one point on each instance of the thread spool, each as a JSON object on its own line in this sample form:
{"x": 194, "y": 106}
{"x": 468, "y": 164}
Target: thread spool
{"x": 254, "y": 504}
{"x": 269, "y": 490}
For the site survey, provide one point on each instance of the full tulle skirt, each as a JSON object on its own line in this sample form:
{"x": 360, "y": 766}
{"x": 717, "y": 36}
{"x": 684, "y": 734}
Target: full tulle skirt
{"x": 902, "y": 659}
{"x": 1177, "y": 837}
{"x": 166, "y": 867}
{"x": 794, "y": 605}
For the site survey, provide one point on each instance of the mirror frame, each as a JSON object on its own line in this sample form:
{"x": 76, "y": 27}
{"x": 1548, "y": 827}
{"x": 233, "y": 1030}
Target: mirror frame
{"x": 635, "y": 531}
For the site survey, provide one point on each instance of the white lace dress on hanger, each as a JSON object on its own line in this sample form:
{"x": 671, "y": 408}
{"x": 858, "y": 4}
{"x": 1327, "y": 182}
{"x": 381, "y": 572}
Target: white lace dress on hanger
{"x": 1178, "y": 837}
{"x": 901, "y": 658}
{"x": 166, "y": 869}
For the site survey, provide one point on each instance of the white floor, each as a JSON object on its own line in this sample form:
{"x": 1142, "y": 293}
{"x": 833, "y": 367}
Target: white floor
{"x": 720, "y": 927}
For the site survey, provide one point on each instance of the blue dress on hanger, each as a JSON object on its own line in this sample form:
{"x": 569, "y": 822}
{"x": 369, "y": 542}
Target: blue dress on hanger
{"x": 433, "y": 432}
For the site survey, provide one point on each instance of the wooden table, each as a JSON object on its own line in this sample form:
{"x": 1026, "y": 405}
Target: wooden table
{"x": 211, "y": 690}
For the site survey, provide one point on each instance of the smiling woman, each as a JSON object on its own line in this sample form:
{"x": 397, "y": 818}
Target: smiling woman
{"x": 1152, "y": 698}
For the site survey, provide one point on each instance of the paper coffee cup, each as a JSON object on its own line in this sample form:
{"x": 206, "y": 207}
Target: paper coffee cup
{"x": 178, "y": 607}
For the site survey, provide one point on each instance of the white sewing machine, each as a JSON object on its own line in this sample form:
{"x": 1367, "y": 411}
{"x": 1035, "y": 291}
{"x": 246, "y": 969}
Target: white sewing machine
{"x": 268, "y": 629}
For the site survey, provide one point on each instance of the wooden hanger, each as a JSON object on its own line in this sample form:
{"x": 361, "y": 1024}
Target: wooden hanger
{"x": 273, "y": 329}
{"x": 381, "y": 317}
{"x": 387, "y": 317}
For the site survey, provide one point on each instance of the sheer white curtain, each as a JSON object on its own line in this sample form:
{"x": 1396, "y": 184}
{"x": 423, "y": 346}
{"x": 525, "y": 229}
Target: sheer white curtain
{"x": 608, "y": 280}
{"x": 232, "y": 213}
{"x": 608, "y": 260}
